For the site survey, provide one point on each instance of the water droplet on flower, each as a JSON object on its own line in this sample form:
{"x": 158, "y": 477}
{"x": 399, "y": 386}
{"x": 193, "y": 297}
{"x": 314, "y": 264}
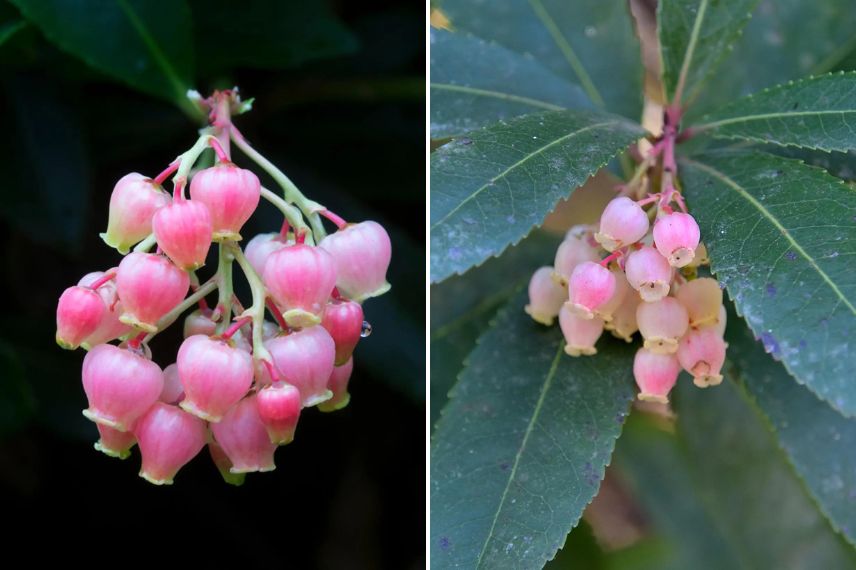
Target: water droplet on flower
{"x": 367, "y": 329}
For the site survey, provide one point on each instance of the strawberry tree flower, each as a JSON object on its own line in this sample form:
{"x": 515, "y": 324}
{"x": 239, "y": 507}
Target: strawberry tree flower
{"x": 238, "y": 381}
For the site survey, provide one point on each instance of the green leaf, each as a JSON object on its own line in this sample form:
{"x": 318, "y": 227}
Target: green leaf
{"x": 9, "y": 29}
{"x": 462, "y": 306}
{"x": 269, "y": 34}
{"x": 747, "y": 485}
{"x": 474, "y": 83}
{"x": 818, "y": 441}
{"x": 656, "y": 468}
{"x": 781, "y": 236}
{"x": 721, "y": 492}
{"x": 580, "y": 552}
{"x": 589, "y": 42}
{"x": 817, "y": 113}
{"x": 784, "y": 40}
{"x": 521, "y": 448}
{"x": 694, "y": 37}
{"x": 141, "y": 43}
{"x": 490, "y": 188}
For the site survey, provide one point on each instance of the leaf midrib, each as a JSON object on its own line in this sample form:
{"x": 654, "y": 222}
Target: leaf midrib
{"x": 567, "y": 52}
{"x": 690, "y": 52}
{"x": 517, "y": 165}
{"x": 766, "y": 116}
{"x": 551, "y": 373}
{"x": 498, "y": 95}
{"x": 157, "y": 55}
{"x": 773, "y": 220}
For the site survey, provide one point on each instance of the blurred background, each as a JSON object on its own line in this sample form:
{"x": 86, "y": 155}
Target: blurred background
{"x": 94, "y": 90}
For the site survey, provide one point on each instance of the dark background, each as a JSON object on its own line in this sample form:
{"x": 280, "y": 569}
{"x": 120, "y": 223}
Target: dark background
{"x": 348, "y": 128}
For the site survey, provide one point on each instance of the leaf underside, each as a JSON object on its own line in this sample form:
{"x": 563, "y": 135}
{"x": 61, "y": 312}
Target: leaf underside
{"x": 781, "y": 237}
{"x": 522, "y": 445}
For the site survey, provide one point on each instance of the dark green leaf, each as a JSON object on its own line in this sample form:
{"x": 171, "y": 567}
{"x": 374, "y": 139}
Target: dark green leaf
{"x": 720, "y": 491}
{"x": 590, "y": 42}
{"x": 657, "y": 470}
{"x": 474, "y": 83}
{"x": 142, "y": 43}
{"x": 818, "y": 113}
{"x": 9, "y": 29}
{"x": 490, "y": 188}
{"x": 818, "y": 441}
{"x": 784, "y": 40}
{"x": 462, "y": 307}
{"x": 781, "y": 236}
{"x": 522, "y": 445}
{"x": 694, "y": 37}
{"x": 580, "y": 552}
{"x": 757, "y": 501}
{"x": 267, "y": 34}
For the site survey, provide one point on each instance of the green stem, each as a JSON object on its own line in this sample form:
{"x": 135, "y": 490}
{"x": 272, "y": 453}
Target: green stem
{"x": 291, "y": 213}
{"x": 292, "y": 193}
{"x": 169, "y": 318}
{"x": 145, "y": 245}
{"x": 257, "y": 311}
{"x": 189, "y": 158}
{"x": 224, "y": 301}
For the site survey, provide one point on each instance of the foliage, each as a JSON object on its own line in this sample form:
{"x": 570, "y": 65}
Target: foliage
{"x": 513, "y": 85}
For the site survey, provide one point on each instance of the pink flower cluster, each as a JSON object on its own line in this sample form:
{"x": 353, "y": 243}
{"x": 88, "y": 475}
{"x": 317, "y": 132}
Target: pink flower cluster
{"x": 647, "y": 283}
{"x": 238, "y": 386}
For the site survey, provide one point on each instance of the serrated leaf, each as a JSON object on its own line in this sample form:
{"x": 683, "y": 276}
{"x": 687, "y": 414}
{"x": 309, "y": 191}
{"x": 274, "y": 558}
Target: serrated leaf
{"x": 694, "y": 37}
{"x": 475, "y": 82}
{"x": 721, "y": 492}
{"x": 570, "y": 38}
{"x": 521, "y": 448}
{"x": 462, "y": 307}
{"x": 818, "y": 441}
{"x": 132, "y": 40}
{"x": 781, "y": 236}
{"x": 784, "y": 40}
{"x": 817, "y": 113}
{"x": 490, "y": 188}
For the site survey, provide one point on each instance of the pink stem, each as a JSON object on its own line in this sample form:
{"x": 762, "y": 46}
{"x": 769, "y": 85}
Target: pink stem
{"x": 160, "y": 178}
{"x": 222, "y": 155}
{"x": 300, "y": 238}
{"x": 178, "y": 189}
{"x": 271, "y": 370}
{"x": 335, "y": 294}
{"x": 276, "y": 314}
{"x": 235, "y": 327}
{"x": 340, "y": 223}
{"x": 135, "y": 342}
{"x": 103, "y": 279}
{"x": 649, "y": 200}
{"x": 614, "y": 255}
{"x": 283, "y": 231}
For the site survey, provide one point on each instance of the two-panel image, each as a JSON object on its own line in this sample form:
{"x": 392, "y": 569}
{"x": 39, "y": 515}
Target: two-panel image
{"x": 459, "y": 284}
